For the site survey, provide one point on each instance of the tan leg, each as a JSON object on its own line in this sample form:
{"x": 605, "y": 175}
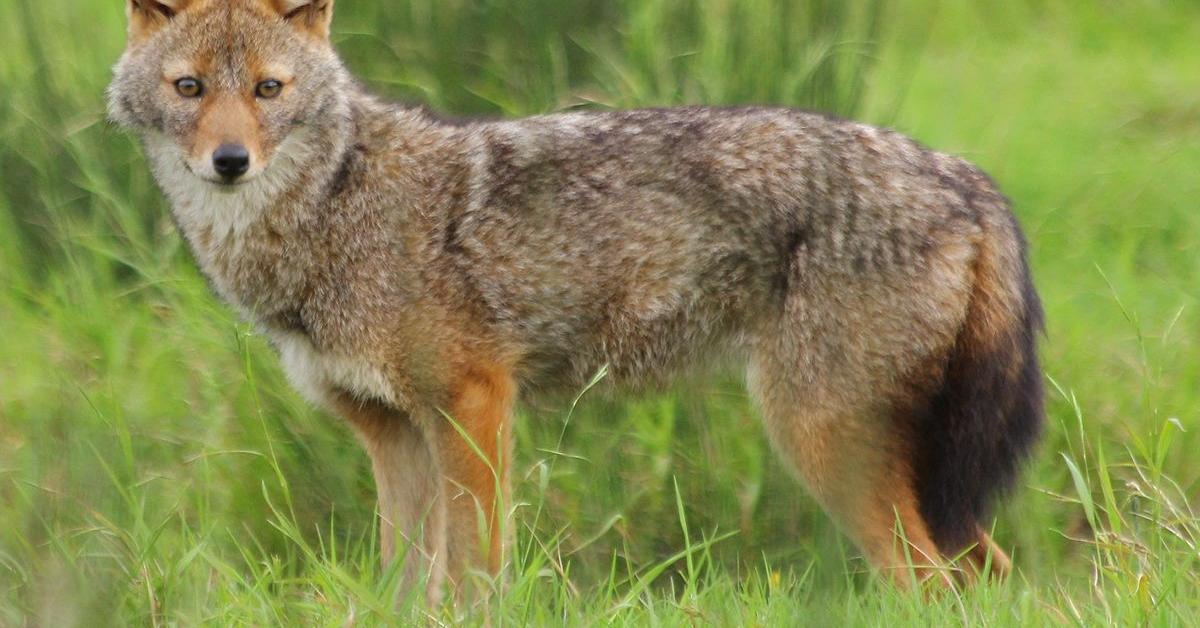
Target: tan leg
{"x": 986, "y": 553}
{"x": 412, "y": 515}
{"x": 857, "y": 468}
{"x": 474, "y": 448}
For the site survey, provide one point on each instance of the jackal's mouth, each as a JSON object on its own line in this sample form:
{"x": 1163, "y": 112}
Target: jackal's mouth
{"x": 229, "y": 186}
{"x": 220, "y": 183}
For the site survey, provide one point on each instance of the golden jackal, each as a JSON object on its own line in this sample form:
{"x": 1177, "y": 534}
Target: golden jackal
{"x": 409, "y": 270}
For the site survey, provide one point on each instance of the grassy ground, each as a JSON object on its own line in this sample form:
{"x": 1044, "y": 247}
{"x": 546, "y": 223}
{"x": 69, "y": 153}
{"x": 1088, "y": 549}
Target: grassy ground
{"x": 156, "y": 469}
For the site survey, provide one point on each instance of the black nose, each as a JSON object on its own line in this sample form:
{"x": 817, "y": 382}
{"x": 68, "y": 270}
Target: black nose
{"x": 231, "y": 161}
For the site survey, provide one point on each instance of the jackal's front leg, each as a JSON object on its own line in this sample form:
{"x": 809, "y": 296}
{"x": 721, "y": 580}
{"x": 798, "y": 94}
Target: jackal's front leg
{"x": 474, "y": 452}
{"x": 412, "y": 512}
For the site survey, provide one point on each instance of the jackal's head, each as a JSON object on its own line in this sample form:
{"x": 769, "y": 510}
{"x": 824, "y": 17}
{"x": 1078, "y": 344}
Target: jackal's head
{"x": 220, "y": 85}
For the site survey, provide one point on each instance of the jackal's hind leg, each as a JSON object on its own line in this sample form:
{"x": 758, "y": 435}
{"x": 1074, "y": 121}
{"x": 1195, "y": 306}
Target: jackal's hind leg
{"x": 987, "y": 558}
{"x": 858, "y": 472}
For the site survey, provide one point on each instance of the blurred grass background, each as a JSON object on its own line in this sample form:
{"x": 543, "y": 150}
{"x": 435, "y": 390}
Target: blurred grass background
{"x": 156, "y": 468}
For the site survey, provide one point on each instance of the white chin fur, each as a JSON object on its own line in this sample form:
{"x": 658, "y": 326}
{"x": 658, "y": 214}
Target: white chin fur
{"x": 201, "y": 204}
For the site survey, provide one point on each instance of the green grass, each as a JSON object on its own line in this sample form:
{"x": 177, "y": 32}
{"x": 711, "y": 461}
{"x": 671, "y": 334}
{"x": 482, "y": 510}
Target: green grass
{"x": 156, "y": 469}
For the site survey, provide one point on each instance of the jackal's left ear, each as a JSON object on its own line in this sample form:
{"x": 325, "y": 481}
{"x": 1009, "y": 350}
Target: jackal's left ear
{"x": 147, "y": 16}
{"x": 311, "y": 16}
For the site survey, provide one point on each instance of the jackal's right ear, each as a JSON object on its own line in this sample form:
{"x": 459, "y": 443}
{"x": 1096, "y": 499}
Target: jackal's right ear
{"x": 147, "y": 16}
{"x": 310, "y": 16}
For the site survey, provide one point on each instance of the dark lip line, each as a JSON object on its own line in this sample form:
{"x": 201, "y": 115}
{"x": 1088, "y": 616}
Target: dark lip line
{"x": 226, "y": 185}
{"x": 229, "y": 185}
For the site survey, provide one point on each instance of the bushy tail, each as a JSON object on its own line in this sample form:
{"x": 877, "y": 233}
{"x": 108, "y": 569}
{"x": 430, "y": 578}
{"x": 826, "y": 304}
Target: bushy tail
{"x": 982, "y": 423}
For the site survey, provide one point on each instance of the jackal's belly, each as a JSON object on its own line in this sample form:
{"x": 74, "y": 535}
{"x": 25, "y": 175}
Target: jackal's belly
{"x": 642, "y": 337}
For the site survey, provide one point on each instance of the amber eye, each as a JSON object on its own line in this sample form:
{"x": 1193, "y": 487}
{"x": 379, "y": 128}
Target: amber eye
{"x": 269, "y": 88}
{"x": 189, "y": 87}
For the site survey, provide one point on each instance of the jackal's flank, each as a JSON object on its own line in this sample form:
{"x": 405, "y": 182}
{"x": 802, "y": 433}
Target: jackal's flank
{"x": 418, "y": 276}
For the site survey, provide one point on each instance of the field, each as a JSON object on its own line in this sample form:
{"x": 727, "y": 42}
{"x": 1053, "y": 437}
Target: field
{"x": 155, "y": 467}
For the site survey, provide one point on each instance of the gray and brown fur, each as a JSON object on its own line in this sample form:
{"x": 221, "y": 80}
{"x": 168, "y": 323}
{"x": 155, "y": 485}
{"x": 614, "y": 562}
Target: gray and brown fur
{"x": 408, "y": 269}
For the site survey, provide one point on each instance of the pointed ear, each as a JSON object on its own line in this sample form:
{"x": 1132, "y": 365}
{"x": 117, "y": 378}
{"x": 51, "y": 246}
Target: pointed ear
{"x": 147, "y": 16}
{"x": 310, "y": 16}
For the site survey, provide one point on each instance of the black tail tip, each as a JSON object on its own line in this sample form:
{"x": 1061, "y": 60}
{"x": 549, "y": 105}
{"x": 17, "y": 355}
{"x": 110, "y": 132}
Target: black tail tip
{"x": 980, "y": 427}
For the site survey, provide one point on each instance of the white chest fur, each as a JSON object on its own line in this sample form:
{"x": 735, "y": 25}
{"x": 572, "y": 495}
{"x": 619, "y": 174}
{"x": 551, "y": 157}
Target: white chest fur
{"x": 317, "y": 374}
